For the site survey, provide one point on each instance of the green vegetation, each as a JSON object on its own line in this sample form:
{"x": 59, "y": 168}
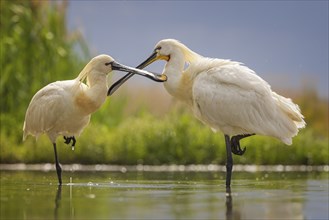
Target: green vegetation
{"x": 37, "y": 48}
{"x": 175, "y": 138}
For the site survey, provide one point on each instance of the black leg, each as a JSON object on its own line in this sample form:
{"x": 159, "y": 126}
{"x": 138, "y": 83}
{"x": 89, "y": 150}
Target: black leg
{"x": 58, "y": 166}
{"x": 229, "y": 161}
{"x": 69, "y": 139}
{"x": 235, "y": 144}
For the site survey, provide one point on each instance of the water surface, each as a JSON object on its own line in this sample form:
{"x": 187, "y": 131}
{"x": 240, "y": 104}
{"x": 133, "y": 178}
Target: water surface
{"x": 163, "y": 195}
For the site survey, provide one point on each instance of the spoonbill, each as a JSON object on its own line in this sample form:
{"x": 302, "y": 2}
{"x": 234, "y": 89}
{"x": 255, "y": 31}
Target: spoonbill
{"x": 64, "y": 107}
{"x": 225, "y": 95}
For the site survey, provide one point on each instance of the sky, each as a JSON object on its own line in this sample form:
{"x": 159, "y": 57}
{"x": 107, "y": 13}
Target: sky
{"x": 284, "y": 42}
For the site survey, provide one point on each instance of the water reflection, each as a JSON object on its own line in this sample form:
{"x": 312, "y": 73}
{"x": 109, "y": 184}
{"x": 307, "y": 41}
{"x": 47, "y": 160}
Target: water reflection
{"x": 57, "y": 201}
{"x": 163, "y": 196}
{"x": 230, "y": 212}
{"x": 229, "y": 204}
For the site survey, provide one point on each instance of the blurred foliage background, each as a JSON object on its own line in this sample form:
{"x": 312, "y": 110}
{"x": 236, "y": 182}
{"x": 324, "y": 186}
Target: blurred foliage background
{"x": 37, "y": 48}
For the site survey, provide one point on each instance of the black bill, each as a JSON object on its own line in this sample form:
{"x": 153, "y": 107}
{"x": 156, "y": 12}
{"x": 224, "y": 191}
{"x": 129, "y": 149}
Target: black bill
{"x": 148, "y": 61}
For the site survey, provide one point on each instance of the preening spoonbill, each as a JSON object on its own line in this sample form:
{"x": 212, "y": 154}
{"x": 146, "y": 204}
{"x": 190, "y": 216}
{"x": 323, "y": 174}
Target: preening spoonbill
{"x": 64, "y": 107}
{"x": 225, "y": 95}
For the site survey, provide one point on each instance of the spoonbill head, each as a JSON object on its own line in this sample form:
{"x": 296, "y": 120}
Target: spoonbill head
{"x": 63, "y": 108}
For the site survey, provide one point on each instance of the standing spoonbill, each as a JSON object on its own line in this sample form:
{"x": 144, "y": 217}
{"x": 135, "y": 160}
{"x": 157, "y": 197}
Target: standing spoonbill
{"x": 225, "y": 95}
{"x": 64, "y": 107}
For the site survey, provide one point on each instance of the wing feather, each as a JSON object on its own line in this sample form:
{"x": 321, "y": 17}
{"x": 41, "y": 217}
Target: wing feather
{"x": 44, "y": 109}
{"x": 233, "y": 99}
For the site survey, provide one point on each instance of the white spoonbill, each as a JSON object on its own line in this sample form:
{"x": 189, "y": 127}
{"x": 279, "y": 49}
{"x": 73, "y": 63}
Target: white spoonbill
{"x": 225, "y": 95}
{"x": 64, "y": 107}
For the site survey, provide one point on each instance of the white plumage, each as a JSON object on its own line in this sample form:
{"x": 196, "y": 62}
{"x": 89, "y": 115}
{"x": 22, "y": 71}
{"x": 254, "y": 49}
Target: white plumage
{"x": 63, "y": 108}
{"x": 228, "y": 96}
{"x": 225, "y": 95}
{"x": 231, "y": 98}
{"x": 53, "y": 110}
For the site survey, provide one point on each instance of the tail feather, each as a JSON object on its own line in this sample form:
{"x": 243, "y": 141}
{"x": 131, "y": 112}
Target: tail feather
{"x": 291, "y": 109}
{"x": 287, "y": 141}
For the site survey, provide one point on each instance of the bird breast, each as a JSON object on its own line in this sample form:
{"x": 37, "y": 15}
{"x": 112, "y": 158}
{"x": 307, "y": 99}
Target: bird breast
{"x": 86, "y": 104}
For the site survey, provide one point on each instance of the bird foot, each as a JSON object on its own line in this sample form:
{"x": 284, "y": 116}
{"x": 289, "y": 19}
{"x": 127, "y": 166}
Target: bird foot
{"x": 235, "y": 145}
{"x": 69, "y": 139}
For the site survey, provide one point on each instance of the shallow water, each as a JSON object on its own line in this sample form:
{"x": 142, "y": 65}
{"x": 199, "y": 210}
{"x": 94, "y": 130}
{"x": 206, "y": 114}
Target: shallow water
{"x": 163, "y": 195}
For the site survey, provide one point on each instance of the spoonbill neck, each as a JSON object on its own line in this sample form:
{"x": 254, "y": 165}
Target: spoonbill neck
{"x": 173, "y": 70}
{"x": 179, "y": 83}
{"x": 93, "y": 95}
